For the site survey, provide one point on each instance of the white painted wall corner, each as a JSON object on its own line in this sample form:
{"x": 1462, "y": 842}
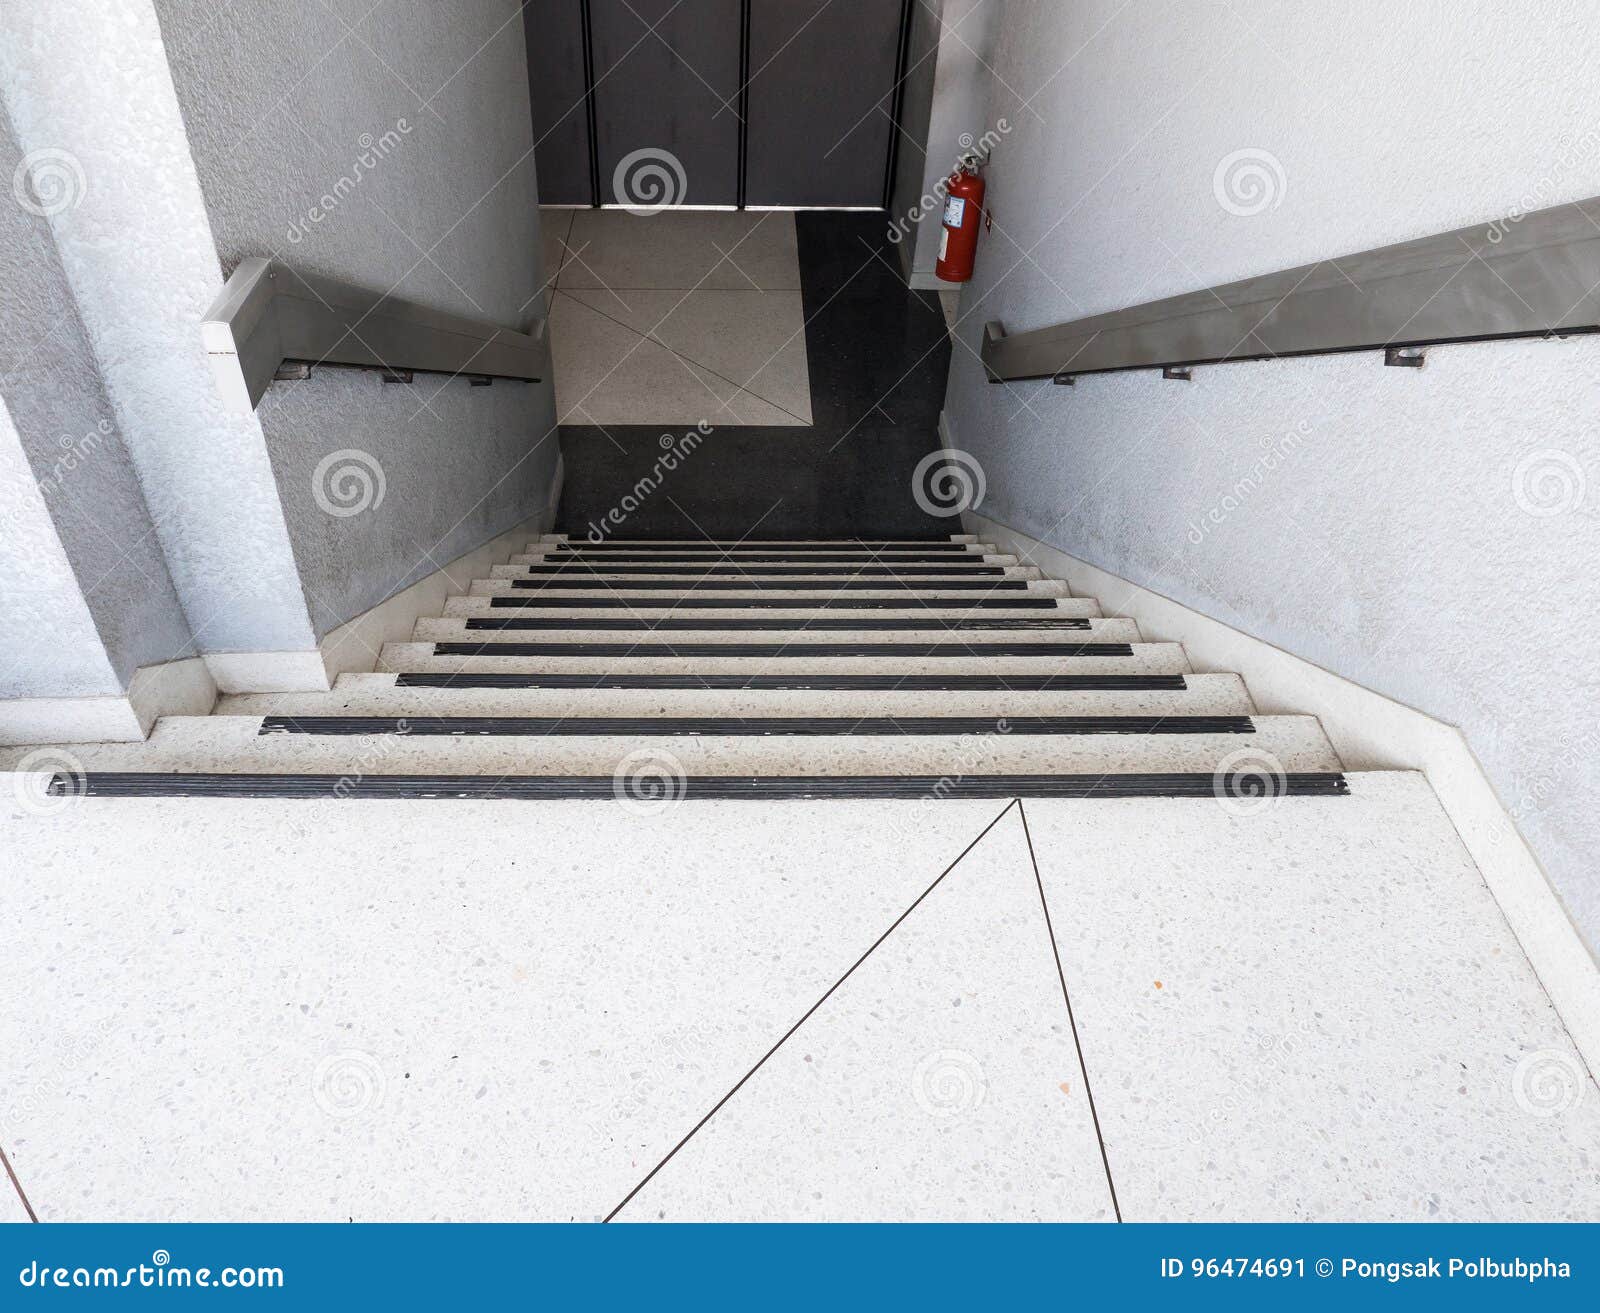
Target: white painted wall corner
{"x": 172, "y": 688}
{"x": 1369, "y": 732}
{"x": 354, "y": 647}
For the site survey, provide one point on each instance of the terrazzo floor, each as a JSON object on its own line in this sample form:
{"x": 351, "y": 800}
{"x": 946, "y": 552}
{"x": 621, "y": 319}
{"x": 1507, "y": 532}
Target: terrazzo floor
{"x": 818, "y": 1010}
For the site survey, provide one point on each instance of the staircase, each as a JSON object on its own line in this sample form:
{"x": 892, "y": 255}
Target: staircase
{"x": 653, "y": 671}
{"x": 1288, "y": 1006}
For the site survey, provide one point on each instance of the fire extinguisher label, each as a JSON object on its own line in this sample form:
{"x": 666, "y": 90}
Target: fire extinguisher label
{"x": 955, "y": 212}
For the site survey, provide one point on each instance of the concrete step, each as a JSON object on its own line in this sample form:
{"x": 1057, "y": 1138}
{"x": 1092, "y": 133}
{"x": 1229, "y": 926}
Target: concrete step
{"x": 964, "y": 538}
{"x": 378, "y": 695}
{"x": 975, "y": 554}
{"x": 1144, "y": 659}
{"x": 1034, "y": 611}
{"x": 635, "y": 589}
{"x": 515, "y": 628}
{"x": 534, "y": 565}
{"x": 233, "y": 744}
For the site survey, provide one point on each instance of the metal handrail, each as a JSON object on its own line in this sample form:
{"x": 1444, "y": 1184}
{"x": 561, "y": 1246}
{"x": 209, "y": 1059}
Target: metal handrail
{"x": 1524, "y": 276}
{"x": 268, "y": 314}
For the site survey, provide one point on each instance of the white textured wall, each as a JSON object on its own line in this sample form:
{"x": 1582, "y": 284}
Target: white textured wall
{"x": 89, "y": 78}
{"x": 77, "y": 482}
{"x": 287, "y": 104}
{"x": 1375, "y": 521}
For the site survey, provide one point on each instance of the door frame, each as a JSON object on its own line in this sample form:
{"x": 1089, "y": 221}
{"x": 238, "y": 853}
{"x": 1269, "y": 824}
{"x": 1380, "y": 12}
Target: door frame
{"x": 897, "y": 105}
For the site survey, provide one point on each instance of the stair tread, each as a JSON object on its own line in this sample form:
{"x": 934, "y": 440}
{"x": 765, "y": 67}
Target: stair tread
{"x": 805, "y": 592}
{"x": 776, "y": 556}
{"x": 514, "y": 627}
{"x": 1142, "y": 658}
{"x": 378, "y": 694}
{"x": 707, "y": 610}
{"x": 642, "y": 649}
{"x": 753, "y": 726}
{"x": 538, "y": 568}
{"x": 602, "y": 584}
{"x": 234, "y": 744}
{"x": 961, "y": 539}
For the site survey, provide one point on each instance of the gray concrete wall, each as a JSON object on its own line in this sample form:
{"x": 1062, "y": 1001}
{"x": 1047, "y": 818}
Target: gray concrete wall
{"x": 395, "y": 152}
{"x": 1434, "y": 534}
{"x": 87, "y": 596}
{"x": 52, "y": 648}
{"x": 87, "y": 81}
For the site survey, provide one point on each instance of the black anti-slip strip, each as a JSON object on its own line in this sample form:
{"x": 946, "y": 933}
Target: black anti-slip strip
{"x": 807, "y": 624}
{"x": 109, "y": 784}
{"x": 784, "y": 650}
{"x": 780, "y": 603}
{"x": 786, "y": 545}
{"x": 738, "y": 570}
{"x": 947, "y": 560}
{"x": 880, "y": 683}
{"x": 751, "y": 727}
{"x": 542, "y": 583}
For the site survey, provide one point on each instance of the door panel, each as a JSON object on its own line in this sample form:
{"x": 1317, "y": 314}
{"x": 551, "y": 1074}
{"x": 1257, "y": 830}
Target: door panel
{"x": 822, "y": 82}
{"x": 556, "y": 86}
{"x": 673, "y": 89}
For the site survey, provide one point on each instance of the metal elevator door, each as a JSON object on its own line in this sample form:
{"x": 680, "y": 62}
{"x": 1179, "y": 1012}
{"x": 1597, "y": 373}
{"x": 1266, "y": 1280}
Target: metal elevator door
{"x": 715, "y": 102}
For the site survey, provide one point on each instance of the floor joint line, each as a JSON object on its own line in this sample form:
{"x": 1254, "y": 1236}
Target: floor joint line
{"x": 788, "y": 1034}
{"x": 23, "y": 1194}
{"x": 1061, "y": 975}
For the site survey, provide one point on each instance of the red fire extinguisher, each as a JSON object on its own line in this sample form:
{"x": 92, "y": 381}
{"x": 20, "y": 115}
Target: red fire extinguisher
{"x": 963, "y": 210}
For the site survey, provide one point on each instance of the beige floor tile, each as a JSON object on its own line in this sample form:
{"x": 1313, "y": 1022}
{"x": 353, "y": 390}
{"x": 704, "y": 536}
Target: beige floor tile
{"x": 716, "y": 250}
{"x": 755, "y": 340}
{"x": 607, "y": 374}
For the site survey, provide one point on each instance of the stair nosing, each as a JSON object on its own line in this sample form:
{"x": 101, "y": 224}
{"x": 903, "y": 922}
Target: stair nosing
{"x": 755, "y": 726}
{"x": 771, "y": 788}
